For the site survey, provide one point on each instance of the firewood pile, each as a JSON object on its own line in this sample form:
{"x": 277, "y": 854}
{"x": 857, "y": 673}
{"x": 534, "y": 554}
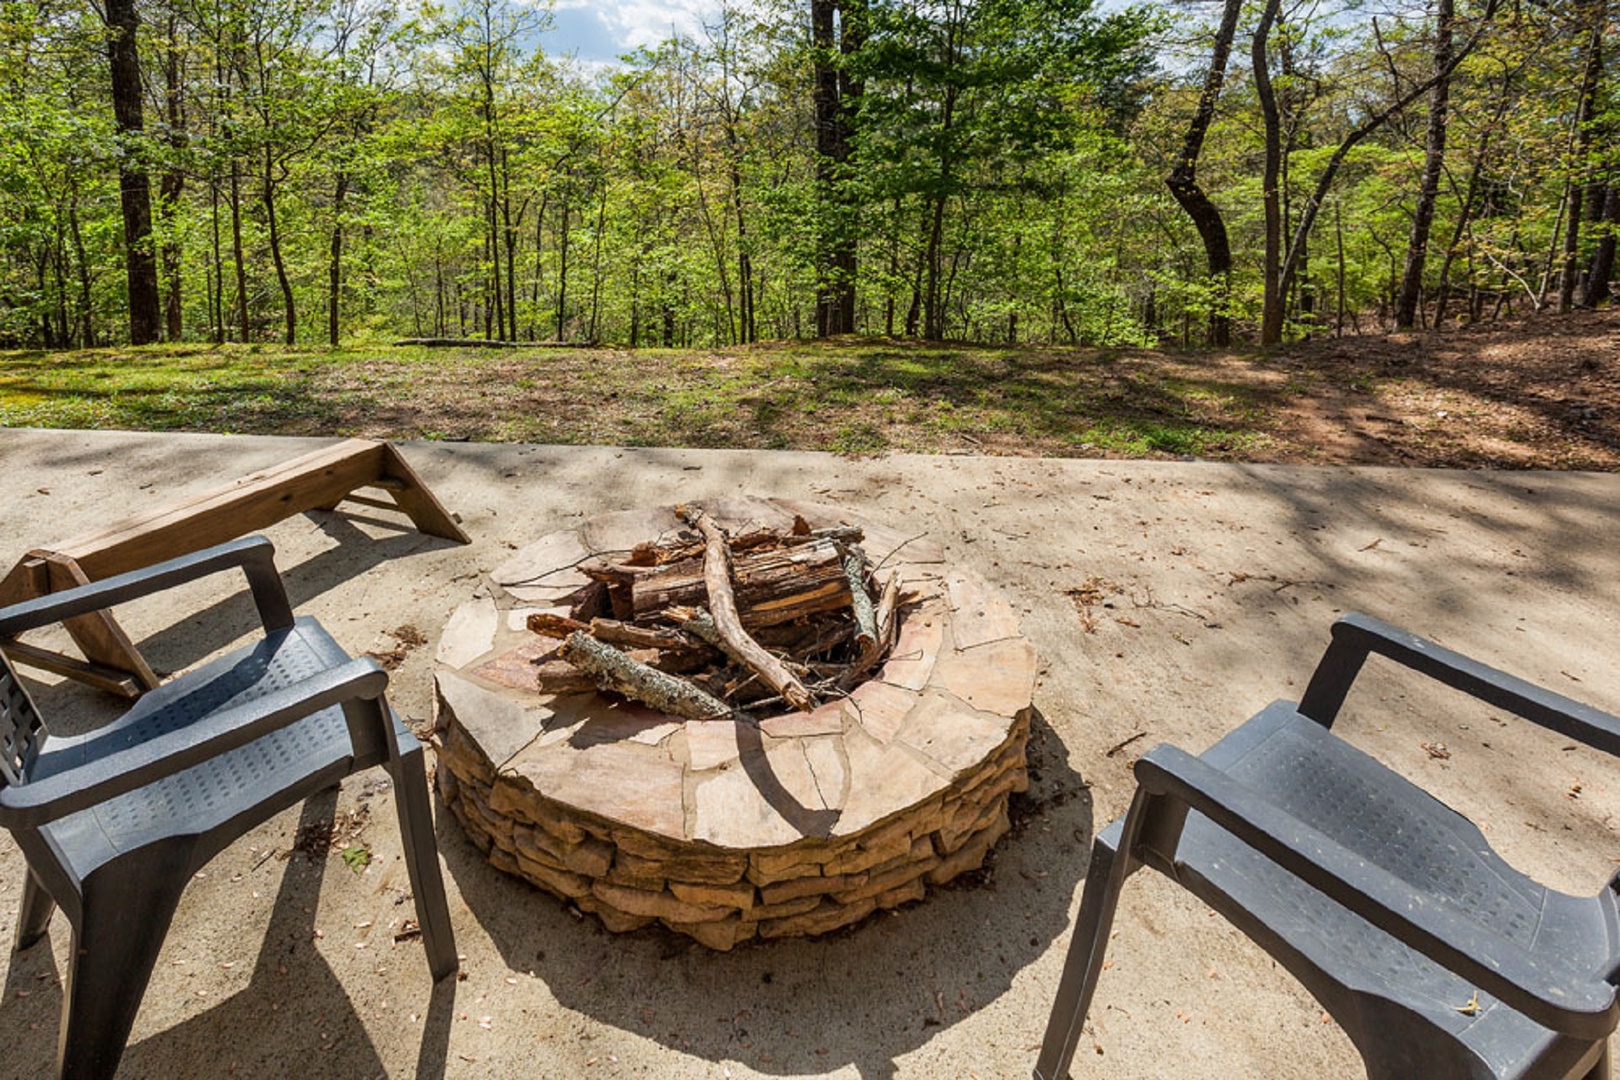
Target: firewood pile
{"x": 705, "y": 625}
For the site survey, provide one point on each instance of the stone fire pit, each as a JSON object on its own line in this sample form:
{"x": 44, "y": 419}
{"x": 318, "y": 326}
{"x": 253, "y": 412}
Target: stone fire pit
{"x": 724, "y": 830}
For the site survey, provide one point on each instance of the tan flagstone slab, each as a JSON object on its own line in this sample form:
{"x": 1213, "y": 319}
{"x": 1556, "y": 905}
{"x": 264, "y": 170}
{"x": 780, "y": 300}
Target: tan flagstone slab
{"x": 711, "y": 744}
{"x": 730, "y": 812}
{"x": 882, "y": 781}
{"x": 912, "y": 659}
{"x": 826, "y": 719}
{"x": 880, "y": 708}
{"x": 499, "y": 725}
{"x": 953, "y": 737}
{"x": 996, "y": 678}
{"x": 517, "y": 668}
{"x": 979, "y": 614}
{"x": 469, "y": 633}
{"x": 547, "y": 558}
{"x": 634, "y": 784}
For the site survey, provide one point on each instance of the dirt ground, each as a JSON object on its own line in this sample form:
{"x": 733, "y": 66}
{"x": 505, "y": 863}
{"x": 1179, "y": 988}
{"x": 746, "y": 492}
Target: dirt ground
{"x": 1525, "y": 394}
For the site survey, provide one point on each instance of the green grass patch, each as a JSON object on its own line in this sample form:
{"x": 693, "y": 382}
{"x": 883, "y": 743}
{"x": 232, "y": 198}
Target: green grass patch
{"x": 849, "y": 397}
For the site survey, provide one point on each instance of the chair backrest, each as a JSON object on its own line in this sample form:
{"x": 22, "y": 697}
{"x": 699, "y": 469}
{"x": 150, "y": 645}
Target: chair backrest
{"x": 21, "y": 729}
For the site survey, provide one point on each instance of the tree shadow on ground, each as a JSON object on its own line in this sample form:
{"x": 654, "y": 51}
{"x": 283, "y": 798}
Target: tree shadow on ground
{"x": 864, "y": 996}
{"x": 293, "y": 1007}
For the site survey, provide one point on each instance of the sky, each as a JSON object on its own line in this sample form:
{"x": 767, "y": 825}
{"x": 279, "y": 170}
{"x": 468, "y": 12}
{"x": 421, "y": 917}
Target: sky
{"x": 598, "y": 31}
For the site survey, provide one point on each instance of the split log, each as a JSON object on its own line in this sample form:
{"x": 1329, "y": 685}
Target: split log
{"x": 561, "y": 677}
{"x": 589, "y": 602}
{"x": 614, "y": 670}
{"x": 771, "y": 586}
{"x": 557, "y": 626}
{"x": 723, "y": 605}
{"x": 615, "y": 632}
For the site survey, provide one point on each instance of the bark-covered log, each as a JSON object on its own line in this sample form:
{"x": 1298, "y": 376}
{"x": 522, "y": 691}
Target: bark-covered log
{"x": 615, "y": 632}
{"x": 616, "y": 671}
{"x": 854, "y": 561}
{"x": 770, "y": 586}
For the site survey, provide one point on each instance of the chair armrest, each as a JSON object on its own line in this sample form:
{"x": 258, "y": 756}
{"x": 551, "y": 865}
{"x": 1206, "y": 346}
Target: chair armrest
{"x": 1558, "y": 999}
{"x": 120, "y": 772}
{"x": 1355, "y": 637}
{"x": 254, "y": 555}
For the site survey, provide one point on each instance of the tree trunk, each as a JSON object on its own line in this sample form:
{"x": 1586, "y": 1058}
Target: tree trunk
{"x": 1590, "y": 80}
{"x": 334, "y": 267}
{"x": 1183, "y": 180}
{"x": 134, "y": 189}
{"x": 1434, "y": 153}
{"x": 236, "y": 251}
{"x": 833, "y": 101}
{"x": 290, "y": 313}
{"x": 1271, "y": 319}
{"x": 1601, "y": 271}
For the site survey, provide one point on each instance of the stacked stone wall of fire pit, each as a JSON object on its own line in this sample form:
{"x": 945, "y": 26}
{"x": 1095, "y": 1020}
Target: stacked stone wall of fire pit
{"x": 726, "y": 830}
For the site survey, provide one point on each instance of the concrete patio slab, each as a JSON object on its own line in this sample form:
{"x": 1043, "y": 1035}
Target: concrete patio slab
{"x": 1167, "y": 601}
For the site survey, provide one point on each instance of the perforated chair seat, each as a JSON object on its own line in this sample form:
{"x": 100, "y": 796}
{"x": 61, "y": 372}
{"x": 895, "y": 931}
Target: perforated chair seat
{"x": 116, "y": 821}
{"x": 1350, "y": 965}
{"x": 1438, "y": 959}
{"x": 273, "y": 772}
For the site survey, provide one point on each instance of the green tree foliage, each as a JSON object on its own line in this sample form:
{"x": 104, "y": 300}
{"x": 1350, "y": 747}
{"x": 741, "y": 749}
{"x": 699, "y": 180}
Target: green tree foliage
{"x": 336, "y": 170}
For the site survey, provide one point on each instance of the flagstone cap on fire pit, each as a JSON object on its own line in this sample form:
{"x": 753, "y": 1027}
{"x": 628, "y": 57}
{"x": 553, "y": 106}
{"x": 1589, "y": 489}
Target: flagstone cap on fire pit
{"x": 725, "y": 829}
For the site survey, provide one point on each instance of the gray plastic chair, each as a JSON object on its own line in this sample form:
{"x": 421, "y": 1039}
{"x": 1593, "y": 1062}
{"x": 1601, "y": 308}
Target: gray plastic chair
{"x": 114, "y": 822}
{"x": 1437, "y": 958}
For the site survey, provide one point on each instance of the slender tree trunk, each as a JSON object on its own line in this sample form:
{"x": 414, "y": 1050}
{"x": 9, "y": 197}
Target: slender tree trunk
{"x": 1470, "y": 197}
{"x": 1434, "y": 153}
{"x": 1601, "y": 272}
{"x": 290, "y": 313}
{"x": 237, "y": 253}
{"x": 1183, "y": 180}
{"x": 1590, "y": 82}
{"x": 134, "y": 189}
{"x": 562, "y": 272}
{"x": 334, "y": 266}
{"x": 511, "y": 237}
{"x": 216, "y": 285}
{"x": 933, "y": 308}
{"x": 1271, "y": 320}
{"x": 86, "y": 297}
{"x": 172, "y": 183}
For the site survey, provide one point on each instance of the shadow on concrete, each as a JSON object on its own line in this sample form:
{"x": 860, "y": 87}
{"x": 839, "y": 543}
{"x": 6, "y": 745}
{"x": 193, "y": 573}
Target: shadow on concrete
{"x": 864, "y": 996}
{"x": 292, "y": 999}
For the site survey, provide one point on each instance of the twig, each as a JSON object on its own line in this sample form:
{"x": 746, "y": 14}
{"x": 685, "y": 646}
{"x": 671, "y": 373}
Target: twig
{"x": 1117, "y": 747}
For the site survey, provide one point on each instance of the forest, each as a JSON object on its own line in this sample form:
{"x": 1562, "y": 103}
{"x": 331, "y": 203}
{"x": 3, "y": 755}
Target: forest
{"x": 996, "y": 171}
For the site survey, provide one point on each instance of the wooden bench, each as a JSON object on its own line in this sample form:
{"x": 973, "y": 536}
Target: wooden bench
{"x": 319, "y": 480}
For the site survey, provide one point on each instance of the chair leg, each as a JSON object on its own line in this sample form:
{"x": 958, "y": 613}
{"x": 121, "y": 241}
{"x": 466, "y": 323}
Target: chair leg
{"x": 422, "y": 861}
{"x": 35, "y": 917}
{"x": 1084, "y": 962}
{"x": 125, "y": 918}
{"x": 1600, "y": 1069}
